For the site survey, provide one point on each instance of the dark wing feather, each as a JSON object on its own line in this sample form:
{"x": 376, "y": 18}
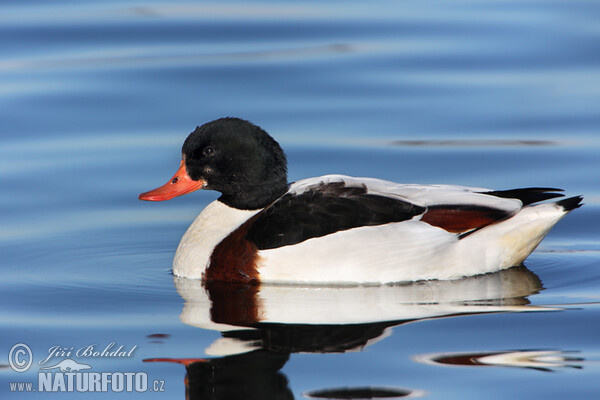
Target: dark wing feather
{"x": 527, "y": 195}
{"x": 324, "y": 209}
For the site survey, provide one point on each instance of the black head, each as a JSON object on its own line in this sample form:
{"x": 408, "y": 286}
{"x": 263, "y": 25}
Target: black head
{"x": 238, "y": 159}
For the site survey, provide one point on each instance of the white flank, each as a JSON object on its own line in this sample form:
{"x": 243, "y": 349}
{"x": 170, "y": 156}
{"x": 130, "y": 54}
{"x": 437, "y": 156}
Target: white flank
{"x": 403, "y": 251}
{"x": 409, "y": 251}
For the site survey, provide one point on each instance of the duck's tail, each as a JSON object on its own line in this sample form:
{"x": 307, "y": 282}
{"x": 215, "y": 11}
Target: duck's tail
{"x": 509, "y": 242}
{"x": 571, "y": 203}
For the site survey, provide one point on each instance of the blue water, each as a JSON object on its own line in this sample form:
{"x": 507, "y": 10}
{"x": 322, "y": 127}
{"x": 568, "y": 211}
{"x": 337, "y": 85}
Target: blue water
{"x": 96, "y": 99}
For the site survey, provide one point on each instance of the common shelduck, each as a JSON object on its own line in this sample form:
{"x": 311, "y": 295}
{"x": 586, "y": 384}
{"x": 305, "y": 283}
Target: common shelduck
{"x": 337, "y": 229}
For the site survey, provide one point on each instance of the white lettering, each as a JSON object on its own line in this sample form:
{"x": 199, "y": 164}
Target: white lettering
{"x": 87, "y": 382}
{"x": 82, "y": 382}
{"x": 129, "y": 376}
{"x": 95, "y": 385}
{"x": 118, "y": 382}
{"x": 21, "y": 386}
{"x": 131, "y": 351}
{"x": 70, "y": 377}
{"x": 105, "y": 381}
{"x": 141, "y": 382}
{"x": 59, "y": 382}
{"x": 45, "y": 381}
{"x": 92, "y": 351}
{"x": 105, "y": 351}
{"x": 85, "y": 351}
{"x": 57, "y": 351}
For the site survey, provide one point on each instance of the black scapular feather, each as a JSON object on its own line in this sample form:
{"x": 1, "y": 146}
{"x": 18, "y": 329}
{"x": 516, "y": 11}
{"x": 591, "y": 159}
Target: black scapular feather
{"x": 527, "y": 195}
{"x": 324, "y": 209}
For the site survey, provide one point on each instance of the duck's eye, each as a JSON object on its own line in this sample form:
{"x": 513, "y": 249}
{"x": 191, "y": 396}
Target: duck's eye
{"x": 208, "y": 151}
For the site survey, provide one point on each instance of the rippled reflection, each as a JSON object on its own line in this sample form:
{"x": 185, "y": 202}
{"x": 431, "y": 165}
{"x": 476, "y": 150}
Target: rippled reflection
{"x": 363, "y": 393}
{"x": 261, "y": 326}
{"x": 542, "y": 360}
{"x": 253, "y": 375}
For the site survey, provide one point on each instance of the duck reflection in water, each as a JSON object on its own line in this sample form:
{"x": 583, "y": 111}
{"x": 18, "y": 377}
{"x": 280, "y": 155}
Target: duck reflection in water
{"x": 252, "y": 375}
{"x": 541, "y": 360}
{"x": 262, "y": 325}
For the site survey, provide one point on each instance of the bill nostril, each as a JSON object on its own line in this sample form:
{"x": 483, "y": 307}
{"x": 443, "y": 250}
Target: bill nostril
{"x": 175, "y": 180}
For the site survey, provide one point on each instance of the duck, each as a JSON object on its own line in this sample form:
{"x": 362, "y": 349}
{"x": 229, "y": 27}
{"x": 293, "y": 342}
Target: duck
{"x": 337, "y": 229}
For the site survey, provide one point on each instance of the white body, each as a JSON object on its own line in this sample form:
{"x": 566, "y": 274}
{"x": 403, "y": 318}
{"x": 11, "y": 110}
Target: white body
{"x": 395, "y": 252}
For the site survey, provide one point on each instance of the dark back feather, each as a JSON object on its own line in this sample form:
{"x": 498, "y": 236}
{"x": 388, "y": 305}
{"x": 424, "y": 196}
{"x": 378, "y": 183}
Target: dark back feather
{"x": 324, "y": 209}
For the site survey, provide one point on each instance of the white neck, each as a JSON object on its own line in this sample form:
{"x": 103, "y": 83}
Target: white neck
{"x": 213, "y": 224}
